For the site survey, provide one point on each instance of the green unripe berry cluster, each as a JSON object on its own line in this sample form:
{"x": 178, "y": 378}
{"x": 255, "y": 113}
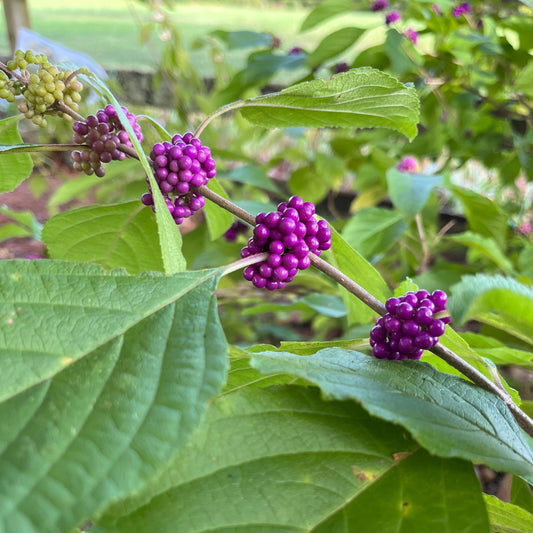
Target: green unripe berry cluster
{"x": 41, "y": 84}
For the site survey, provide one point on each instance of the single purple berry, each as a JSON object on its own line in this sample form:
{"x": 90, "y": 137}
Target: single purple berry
{"x": 393, "y": 16}
{"x": 379, "y": 5}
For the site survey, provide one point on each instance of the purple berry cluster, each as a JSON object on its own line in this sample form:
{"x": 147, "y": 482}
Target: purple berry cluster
{"x": 288, "y": 235}
{"x": 413, "y": 323}
{"x": 179, "y": 167}
{"x": 102, "y": 134}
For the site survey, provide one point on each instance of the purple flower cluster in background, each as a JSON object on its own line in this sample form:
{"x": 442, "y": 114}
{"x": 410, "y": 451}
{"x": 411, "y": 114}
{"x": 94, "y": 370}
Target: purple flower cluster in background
{"x": 407, "y": 164}
{"x": 461, "y": 9}
{"x": 393, "y": 16}
{"x": 412, "y": 35}
{"x": 379, "y": 5}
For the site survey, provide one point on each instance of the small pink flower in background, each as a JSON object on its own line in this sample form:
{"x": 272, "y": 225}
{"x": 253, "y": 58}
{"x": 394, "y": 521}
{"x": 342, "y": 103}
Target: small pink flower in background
{"x": 525, "y": 228}
{"x": 294, "y": 51}
{"x": 461, "y": 9}
{"x": 411, "y": 35}
{"x": 379, "y": 5}
{"x": 407, "y": 164}
{"x": 436, "y": 9}
{"x": 393, "y": 16}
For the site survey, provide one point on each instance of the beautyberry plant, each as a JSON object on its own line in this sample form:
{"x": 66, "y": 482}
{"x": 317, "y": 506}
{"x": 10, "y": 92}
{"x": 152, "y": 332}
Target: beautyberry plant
{"x": 122, "y": 403}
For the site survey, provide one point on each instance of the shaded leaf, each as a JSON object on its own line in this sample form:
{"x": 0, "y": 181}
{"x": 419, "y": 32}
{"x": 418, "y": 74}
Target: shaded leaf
{"x": 447, "y": 415}
{"x": 284, "y": 461}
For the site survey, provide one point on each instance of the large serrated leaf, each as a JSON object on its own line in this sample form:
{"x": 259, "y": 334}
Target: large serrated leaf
{"x": 447, "y": 415}
{"x": 102, "y": 427}
{"x": 359, "y": 98}
{"x": 123, "y": 235}
{"x": 499, "y": 301}
{"x": 55, "y": 312}
{"x": 282, "y": 460}
{"x": 14, "y": 167}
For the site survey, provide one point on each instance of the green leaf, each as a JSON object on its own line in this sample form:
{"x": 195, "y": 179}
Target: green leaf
{"x": 483, "y": 215}
{"x": 373, "y": 230}
{"x": 499, "y": 301}
{"x": 524, "y": 80}
{"x": 123, "y": 368}
{"x": 284, "y": 461}
{"x": 457, "y": 344}
{"x": 333, "y": 44}
{"x": 11, "y": 230}
{"x": 405, "y": 286}
{"x": 122, "y": 235}
{"x": 78, "y": 188}
{"x": 447, "y": 415}
{"x": 243, "y": 39}
{"x": 356, "y": 267}
{"x": 308, "y": 183}
{"x": 497, "y": 352}
{"x": 169, "y": 235}
{"x": 252, "y": 175}
{"x": 410, "y": 192}
{"x": 359, "y": 98}
{"x": 218, "y": 219}
{"x": 325, "y": 304}
{"x": 14, "y": 167}
{"x": 326, "y": 9}
{"x": 521, "y": 494}
{"x": 163, "y": 134}
{"x": 24, "y": 218}
{"x": 55, "y": 312}
{"x": 485, "y": 246}
{"x": 506, "y": 517}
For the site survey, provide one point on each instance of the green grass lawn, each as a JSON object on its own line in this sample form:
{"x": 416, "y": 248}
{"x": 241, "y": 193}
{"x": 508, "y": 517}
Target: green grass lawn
{"x": 108, "y": 30}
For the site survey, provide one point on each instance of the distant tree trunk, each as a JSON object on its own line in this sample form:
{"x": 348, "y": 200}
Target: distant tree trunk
{"x": 16, "y": 12}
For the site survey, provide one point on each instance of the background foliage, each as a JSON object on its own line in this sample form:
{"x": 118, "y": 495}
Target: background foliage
{"x": 145, "y": 387}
